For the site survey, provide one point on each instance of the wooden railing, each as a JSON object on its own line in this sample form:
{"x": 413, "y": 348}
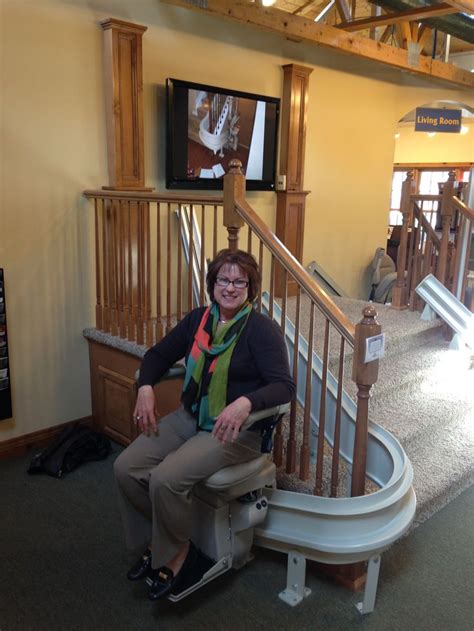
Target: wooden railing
{"x": 435, "y": 239}
{"x": 142, "y": 284}
{"x": 146, "y": 282}
{"x": 327, "y": 330}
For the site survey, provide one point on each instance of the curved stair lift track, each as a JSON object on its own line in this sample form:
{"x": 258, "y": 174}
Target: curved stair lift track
{"x": 337, "y": 530}
{"x": 350, "y": 529}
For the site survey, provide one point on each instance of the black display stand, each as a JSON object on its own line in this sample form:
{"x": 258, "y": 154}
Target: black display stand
{"x": 5, "y": 390}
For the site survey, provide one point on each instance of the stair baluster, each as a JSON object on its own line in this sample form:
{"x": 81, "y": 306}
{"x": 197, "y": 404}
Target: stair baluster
{"x": 446, "y": 215}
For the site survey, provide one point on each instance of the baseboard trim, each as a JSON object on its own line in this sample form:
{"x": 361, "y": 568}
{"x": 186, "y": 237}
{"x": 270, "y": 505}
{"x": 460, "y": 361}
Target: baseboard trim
{"x": 15, "y": 447}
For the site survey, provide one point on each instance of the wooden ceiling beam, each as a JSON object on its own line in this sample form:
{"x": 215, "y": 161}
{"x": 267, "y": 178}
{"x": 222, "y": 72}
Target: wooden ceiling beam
{"x": 405, "y": 31}
{"x": 463, "y": 6}
{"x": 424, "y": 35}
{"x": 386, "y": 34}
{"x": 303, "y": 7}
{"x": 343, "y": 10}
{"x": 411, "y": 15}
{"x": 297, "y": 27}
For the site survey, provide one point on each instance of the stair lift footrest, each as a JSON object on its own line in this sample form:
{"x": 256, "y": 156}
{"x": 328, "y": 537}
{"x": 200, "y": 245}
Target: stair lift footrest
{"x": 220, "y": 567}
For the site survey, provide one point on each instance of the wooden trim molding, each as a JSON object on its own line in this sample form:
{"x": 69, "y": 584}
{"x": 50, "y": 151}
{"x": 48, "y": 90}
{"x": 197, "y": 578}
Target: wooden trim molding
{"x": 15, "y": 447}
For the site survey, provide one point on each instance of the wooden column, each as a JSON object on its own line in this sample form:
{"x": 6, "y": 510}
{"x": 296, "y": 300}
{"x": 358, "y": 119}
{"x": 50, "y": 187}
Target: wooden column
{"x": 234, "y": 190}
{"x": 291, "y": 202}
{"x": 124, "y": 103}
{"x": 399, "y": 293}
{"x": 289, "y": 229}
{"x": 365, "y": 375}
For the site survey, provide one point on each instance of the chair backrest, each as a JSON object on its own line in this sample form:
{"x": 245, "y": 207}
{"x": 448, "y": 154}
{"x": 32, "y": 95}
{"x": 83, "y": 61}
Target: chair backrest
{"x": 381, "y": 265}
{"x": 383, "y": 276}
{"x": 375, "y": 265}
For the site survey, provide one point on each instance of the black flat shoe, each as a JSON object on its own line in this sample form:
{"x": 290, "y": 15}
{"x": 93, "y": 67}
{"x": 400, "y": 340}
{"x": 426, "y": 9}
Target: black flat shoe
{"x": 163, "y": 579}
{"x": 141, "y": 568}
{"x": 162, "y": 583}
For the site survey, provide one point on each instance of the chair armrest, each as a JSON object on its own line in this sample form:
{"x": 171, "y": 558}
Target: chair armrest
{"x": 277, "y": 410}
{"x": 176, "y": 370}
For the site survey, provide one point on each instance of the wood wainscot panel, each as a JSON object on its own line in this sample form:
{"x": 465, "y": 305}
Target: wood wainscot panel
{"x": 117, "y": 400}
{"x": 113, "y": 390}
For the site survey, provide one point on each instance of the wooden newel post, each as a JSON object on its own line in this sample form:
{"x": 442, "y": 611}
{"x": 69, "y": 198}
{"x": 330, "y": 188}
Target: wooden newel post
{"x": 399, "y": 293}
{"x": 446, "y": 215}
{"x": 364, "y": 375}
{"x": 234, "y": 190}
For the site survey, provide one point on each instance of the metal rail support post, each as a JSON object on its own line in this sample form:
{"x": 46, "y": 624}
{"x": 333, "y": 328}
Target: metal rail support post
{"x": 370, "y": 591}
{"x": 295, "y": 590}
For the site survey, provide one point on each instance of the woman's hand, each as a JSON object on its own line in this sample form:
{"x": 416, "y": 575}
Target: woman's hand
{"x": 231, "y": 419}
{"x": 144, "y": 414}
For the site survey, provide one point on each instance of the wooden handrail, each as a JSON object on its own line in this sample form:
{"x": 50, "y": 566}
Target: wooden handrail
{"x": 153, "y": 197}
{"x": 426, "y": 225}
{"x": 337, "y": 318}
{"x": 426, "y": 198}
{"x": 465, "y": 210}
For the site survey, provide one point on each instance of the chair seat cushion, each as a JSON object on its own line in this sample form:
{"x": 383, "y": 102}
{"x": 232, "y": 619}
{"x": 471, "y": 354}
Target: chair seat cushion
{"x": 239, "y": 479}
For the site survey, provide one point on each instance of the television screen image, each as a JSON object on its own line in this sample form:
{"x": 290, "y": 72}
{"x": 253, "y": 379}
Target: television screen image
{"x": 208, "y": 127}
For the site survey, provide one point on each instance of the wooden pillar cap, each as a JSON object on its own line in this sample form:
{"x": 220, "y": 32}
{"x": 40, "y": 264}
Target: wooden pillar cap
{"x": 235, "y": 167}
{"x": 306, "y": 70}
{"x": 370, "y": 315}
{"x": 123, "y": 26}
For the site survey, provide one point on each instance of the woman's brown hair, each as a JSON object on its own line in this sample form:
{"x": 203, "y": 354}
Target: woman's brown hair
{"x": 244, "y": 260}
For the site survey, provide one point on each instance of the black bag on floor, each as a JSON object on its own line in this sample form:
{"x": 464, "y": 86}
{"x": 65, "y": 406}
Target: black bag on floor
{"x": 74, "y": 445}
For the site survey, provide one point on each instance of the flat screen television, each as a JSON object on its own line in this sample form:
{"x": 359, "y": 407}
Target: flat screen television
{"x": 207, "y": 127}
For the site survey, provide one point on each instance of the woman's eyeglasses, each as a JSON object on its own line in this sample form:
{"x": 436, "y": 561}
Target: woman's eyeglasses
{"x": 239, "y": 283}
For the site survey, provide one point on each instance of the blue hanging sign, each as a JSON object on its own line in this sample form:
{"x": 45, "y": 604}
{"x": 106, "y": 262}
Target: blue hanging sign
{"x": 434, "y": 119}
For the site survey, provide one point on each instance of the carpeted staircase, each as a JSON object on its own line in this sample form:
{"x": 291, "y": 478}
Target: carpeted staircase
{"x": 424, "y": 396}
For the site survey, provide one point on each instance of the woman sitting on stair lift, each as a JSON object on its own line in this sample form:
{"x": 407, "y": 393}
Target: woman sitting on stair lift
{"x": 236, "y": 363}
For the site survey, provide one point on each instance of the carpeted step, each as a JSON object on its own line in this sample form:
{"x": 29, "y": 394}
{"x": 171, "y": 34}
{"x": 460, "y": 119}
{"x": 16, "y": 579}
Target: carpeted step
{"x": 441, "y": 395}
{"x": 405, "y": 371}
{"x": 443, "y": 466}
{"x": 403, "y": 329}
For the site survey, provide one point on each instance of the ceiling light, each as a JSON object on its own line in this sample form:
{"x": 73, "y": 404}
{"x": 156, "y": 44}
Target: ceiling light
{"x": 464, "y": 129}
{"x": 431, "y": 134}
{"x": 268, "y": 3}
{"x": 397, "y": 135}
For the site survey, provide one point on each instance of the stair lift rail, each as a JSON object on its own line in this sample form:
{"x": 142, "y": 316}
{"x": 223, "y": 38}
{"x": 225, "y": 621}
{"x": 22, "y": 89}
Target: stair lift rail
{"x": 338, "y": 530}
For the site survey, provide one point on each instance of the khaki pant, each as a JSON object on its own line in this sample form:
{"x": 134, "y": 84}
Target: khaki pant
{"x": 155, "y": 477}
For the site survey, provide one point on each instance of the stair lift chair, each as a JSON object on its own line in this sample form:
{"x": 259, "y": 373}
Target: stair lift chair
{"x": 384, "y": 276}
{"x": 230, "y": 503}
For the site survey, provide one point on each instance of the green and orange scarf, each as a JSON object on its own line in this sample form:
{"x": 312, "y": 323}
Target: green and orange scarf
{"x": 207, "y": 367}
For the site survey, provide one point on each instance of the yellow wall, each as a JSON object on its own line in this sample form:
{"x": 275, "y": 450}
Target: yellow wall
{"x": 414, "y": 146}
{"x": 53, "y": 147}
